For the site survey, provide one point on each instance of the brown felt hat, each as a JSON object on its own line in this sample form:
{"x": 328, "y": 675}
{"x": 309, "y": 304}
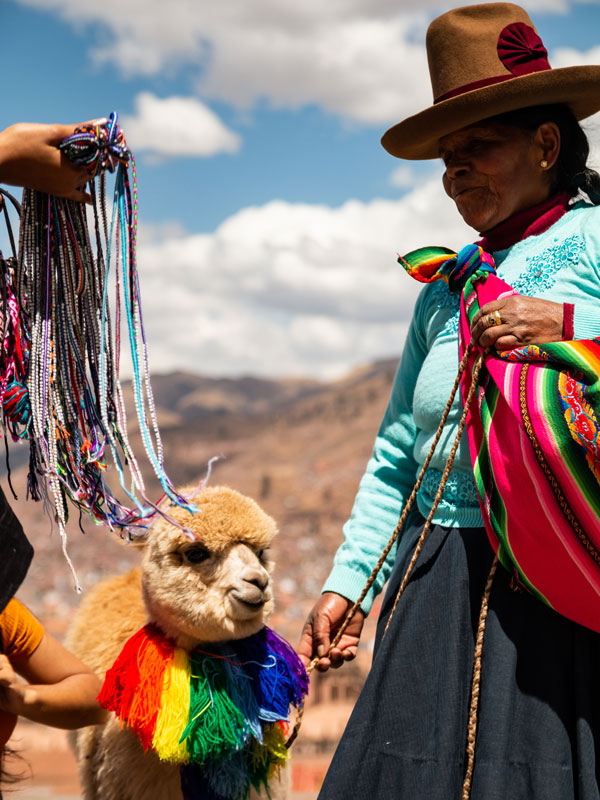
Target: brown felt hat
{"x": 485, "y": 60}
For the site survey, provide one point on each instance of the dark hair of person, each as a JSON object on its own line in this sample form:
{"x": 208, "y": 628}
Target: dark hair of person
{"x": 570, "y": 173}
{"x": 10, "y": 776}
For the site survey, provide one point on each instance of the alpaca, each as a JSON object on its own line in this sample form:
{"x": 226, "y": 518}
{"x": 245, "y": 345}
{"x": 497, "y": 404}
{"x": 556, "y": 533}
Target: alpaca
{"x": 214, "y": 589}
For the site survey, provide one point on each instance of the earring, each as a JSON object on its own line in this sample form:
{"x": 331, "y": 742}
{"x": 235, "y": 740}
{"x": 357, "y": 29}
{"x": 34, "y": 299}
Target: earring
{"x": 543, "y": 164}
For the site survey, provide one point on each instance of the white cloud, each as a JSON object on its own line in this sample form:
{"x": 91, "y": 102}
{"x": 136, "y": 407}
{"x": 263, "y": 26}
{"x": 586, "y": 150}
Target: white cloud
{"x": 286, "y": 288}
{"x": 362, "y": 59}
{"x": 354, "y": 68}
{"x": 177, "y": 126}
{"x": 570, "y": 57}
{"x": 403, "y": 177}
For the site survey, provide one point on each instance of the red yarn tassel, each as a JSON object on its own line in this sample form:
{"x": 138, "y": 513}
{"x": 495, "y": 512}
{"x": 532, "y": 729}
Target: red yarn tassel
{"x": 122, "y": 678}
{"x": 132, "y": 687}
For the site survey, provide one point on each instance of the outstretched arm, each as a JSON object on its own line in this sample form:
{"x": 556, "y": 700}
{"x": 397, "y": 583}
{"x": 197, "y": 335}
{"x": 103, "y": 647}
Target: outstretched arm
{"x": 60, "y": 691}
{"x": 29, "y": 156}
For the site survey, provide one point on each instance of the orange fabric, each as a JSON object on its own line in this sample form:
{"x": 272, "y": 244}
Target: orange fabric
{"x": 21, "y": 631}
{"x": 21, "y": 635}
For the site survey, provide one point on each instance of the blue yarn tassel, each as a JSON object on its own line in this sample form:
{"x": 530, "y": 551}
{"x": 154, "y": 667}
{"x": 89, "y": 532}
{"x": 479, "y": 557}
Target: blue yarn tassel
{"x": 279, "y": 675}
{"x": 241, "y": 692}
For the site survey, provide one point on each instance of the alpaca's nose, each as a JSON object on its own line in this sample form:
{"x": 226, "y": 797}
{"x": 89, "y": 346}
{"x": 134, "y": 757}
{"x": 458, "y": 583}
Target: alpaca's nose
{"x": 257, "y": 577}
{"x": 251, "y": 580}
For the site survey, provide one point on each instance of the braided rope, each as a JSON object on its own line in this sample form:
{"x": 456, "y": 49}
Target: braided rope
{"x": 483, "y": 613}
{"x": 409, "y": 503}
{"x": 476, "y": 683}
{"x": 440, "y": 491}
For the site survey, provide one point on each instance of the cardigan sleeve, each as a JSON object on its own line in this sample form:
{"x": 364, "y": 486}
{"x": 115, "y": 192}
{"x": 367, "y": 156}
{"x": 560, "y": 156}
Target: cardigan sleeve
{"x": 586, "y": 315}
{"x": 586, "y": 320}
{"x": 387, "y": 482}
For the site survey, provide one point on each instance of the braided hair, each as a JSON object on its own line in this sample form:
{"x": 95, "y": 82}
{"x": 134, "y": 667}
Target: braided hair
{"x": 570, "y": 173}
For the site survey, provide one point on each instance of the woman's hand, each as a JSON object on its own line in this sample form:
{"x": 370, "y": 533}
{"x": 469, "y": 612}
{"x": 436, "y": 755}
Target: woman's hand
{"x": 29, "y": 156}
{"x": 519, "y": 321}
{"x": 322, "y": 624}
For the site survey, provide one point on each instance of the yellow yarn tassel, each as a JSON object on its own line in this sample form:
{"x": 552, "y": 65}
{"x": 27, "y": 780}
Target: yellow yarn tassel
{"x": 274, "y": 741}
{"x": 174, "y": 710}
{"x": 272, "y": 751}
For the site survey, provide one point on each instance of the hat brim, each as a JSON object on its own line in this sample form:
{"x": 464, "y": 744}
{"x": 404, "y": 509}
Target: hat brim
{"x": 417, "y": 138}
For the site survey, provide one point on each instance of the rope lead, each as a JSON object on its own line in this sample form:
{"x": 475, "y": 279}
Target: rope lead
{"x": 472, "y": 728}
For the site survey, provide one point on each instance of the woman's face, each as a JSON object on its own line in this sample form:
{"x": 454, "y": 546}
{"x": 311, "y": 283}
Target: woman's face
{"x": 493, "y": 171}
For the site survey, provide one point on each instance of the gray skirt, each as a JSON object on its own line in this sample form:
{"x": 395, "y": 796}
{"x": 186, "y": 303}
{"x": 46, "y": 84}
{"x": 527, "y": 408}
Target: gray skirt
{"x": 538, "y": 734}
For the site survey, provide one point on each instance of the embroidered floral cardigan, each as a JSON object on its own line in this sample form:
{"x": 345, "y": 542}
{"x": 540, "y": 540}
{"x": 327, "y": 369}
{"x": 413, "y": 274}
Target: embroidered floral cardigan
{"x": 561, "y": 264}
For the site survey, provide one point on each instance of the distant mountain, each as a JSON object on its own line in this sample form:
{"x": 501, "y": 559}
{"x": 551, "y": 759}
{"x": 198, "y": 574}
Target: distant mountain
{"x": 192, "y": 397}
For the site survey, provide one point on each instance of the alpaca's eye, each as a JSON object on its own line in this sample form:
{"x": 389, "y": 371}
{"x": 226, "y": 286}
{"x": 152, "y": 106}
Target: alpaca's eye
{"x": 262, "y": 554}
{"x": 196, "y": 555}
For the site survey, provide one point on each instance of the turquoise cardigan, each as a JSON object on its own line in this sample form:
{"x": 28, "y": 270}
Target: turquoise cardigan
{"x": 561, "y": 264}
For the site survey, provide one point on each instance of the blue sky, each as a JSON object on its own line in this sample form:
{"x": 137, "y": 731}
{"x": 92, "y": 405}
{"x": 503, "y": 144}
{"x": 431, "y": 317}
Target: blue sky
{"x": 270, "y": 214}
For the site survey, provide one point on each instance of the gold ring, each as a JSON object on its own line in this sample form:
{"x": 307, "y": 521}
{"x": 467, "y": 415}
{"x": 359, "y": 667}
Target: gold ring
{"x": 493, "y": 319}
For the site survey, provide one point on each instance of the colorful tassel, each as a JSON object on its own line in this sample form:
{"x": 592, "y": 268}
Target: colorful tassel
{"x": 221, "y": 714}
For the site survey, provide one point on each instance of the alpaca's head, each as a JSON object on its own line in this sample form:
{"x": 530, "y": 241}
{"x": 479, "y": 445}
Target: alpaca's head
{"x": 217, "y": 587}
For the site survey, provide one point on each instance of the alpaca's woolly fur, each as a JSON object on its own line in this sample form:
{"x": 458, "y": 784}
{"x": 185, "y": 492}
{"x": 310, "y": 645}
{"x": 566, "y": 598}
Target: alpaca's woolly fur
{"x": 213, "y": 589}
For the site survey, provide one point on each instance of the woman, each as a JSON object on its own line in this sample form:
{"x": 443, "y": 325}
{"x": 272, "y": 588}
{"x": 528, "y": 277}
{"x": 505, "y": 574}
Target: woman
{"x": 504, "y": 124}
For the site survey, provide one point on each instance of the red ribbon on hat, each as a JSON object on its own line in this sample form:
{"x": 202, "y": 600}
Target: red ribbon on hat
{"x": 521, "y": 50}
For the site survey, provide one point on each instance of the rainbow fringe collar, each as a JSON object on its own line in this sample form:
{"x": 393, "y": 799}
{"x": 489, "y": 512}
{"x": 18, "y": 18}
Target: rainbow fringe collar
{"x": 222, "y": 714}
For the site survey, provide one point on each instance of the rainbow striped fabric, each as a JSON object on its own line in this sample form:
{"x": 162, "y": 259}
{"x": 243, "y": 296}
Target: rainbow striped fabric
{"x": 430, "y": 264}
{"x": 222, "y": 714}
{"x": 534, "y": 438}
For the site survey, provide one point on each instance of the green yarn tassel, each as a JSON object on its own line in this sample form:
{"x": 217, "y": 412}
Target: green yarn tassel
{"x": 216, "y": 728}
